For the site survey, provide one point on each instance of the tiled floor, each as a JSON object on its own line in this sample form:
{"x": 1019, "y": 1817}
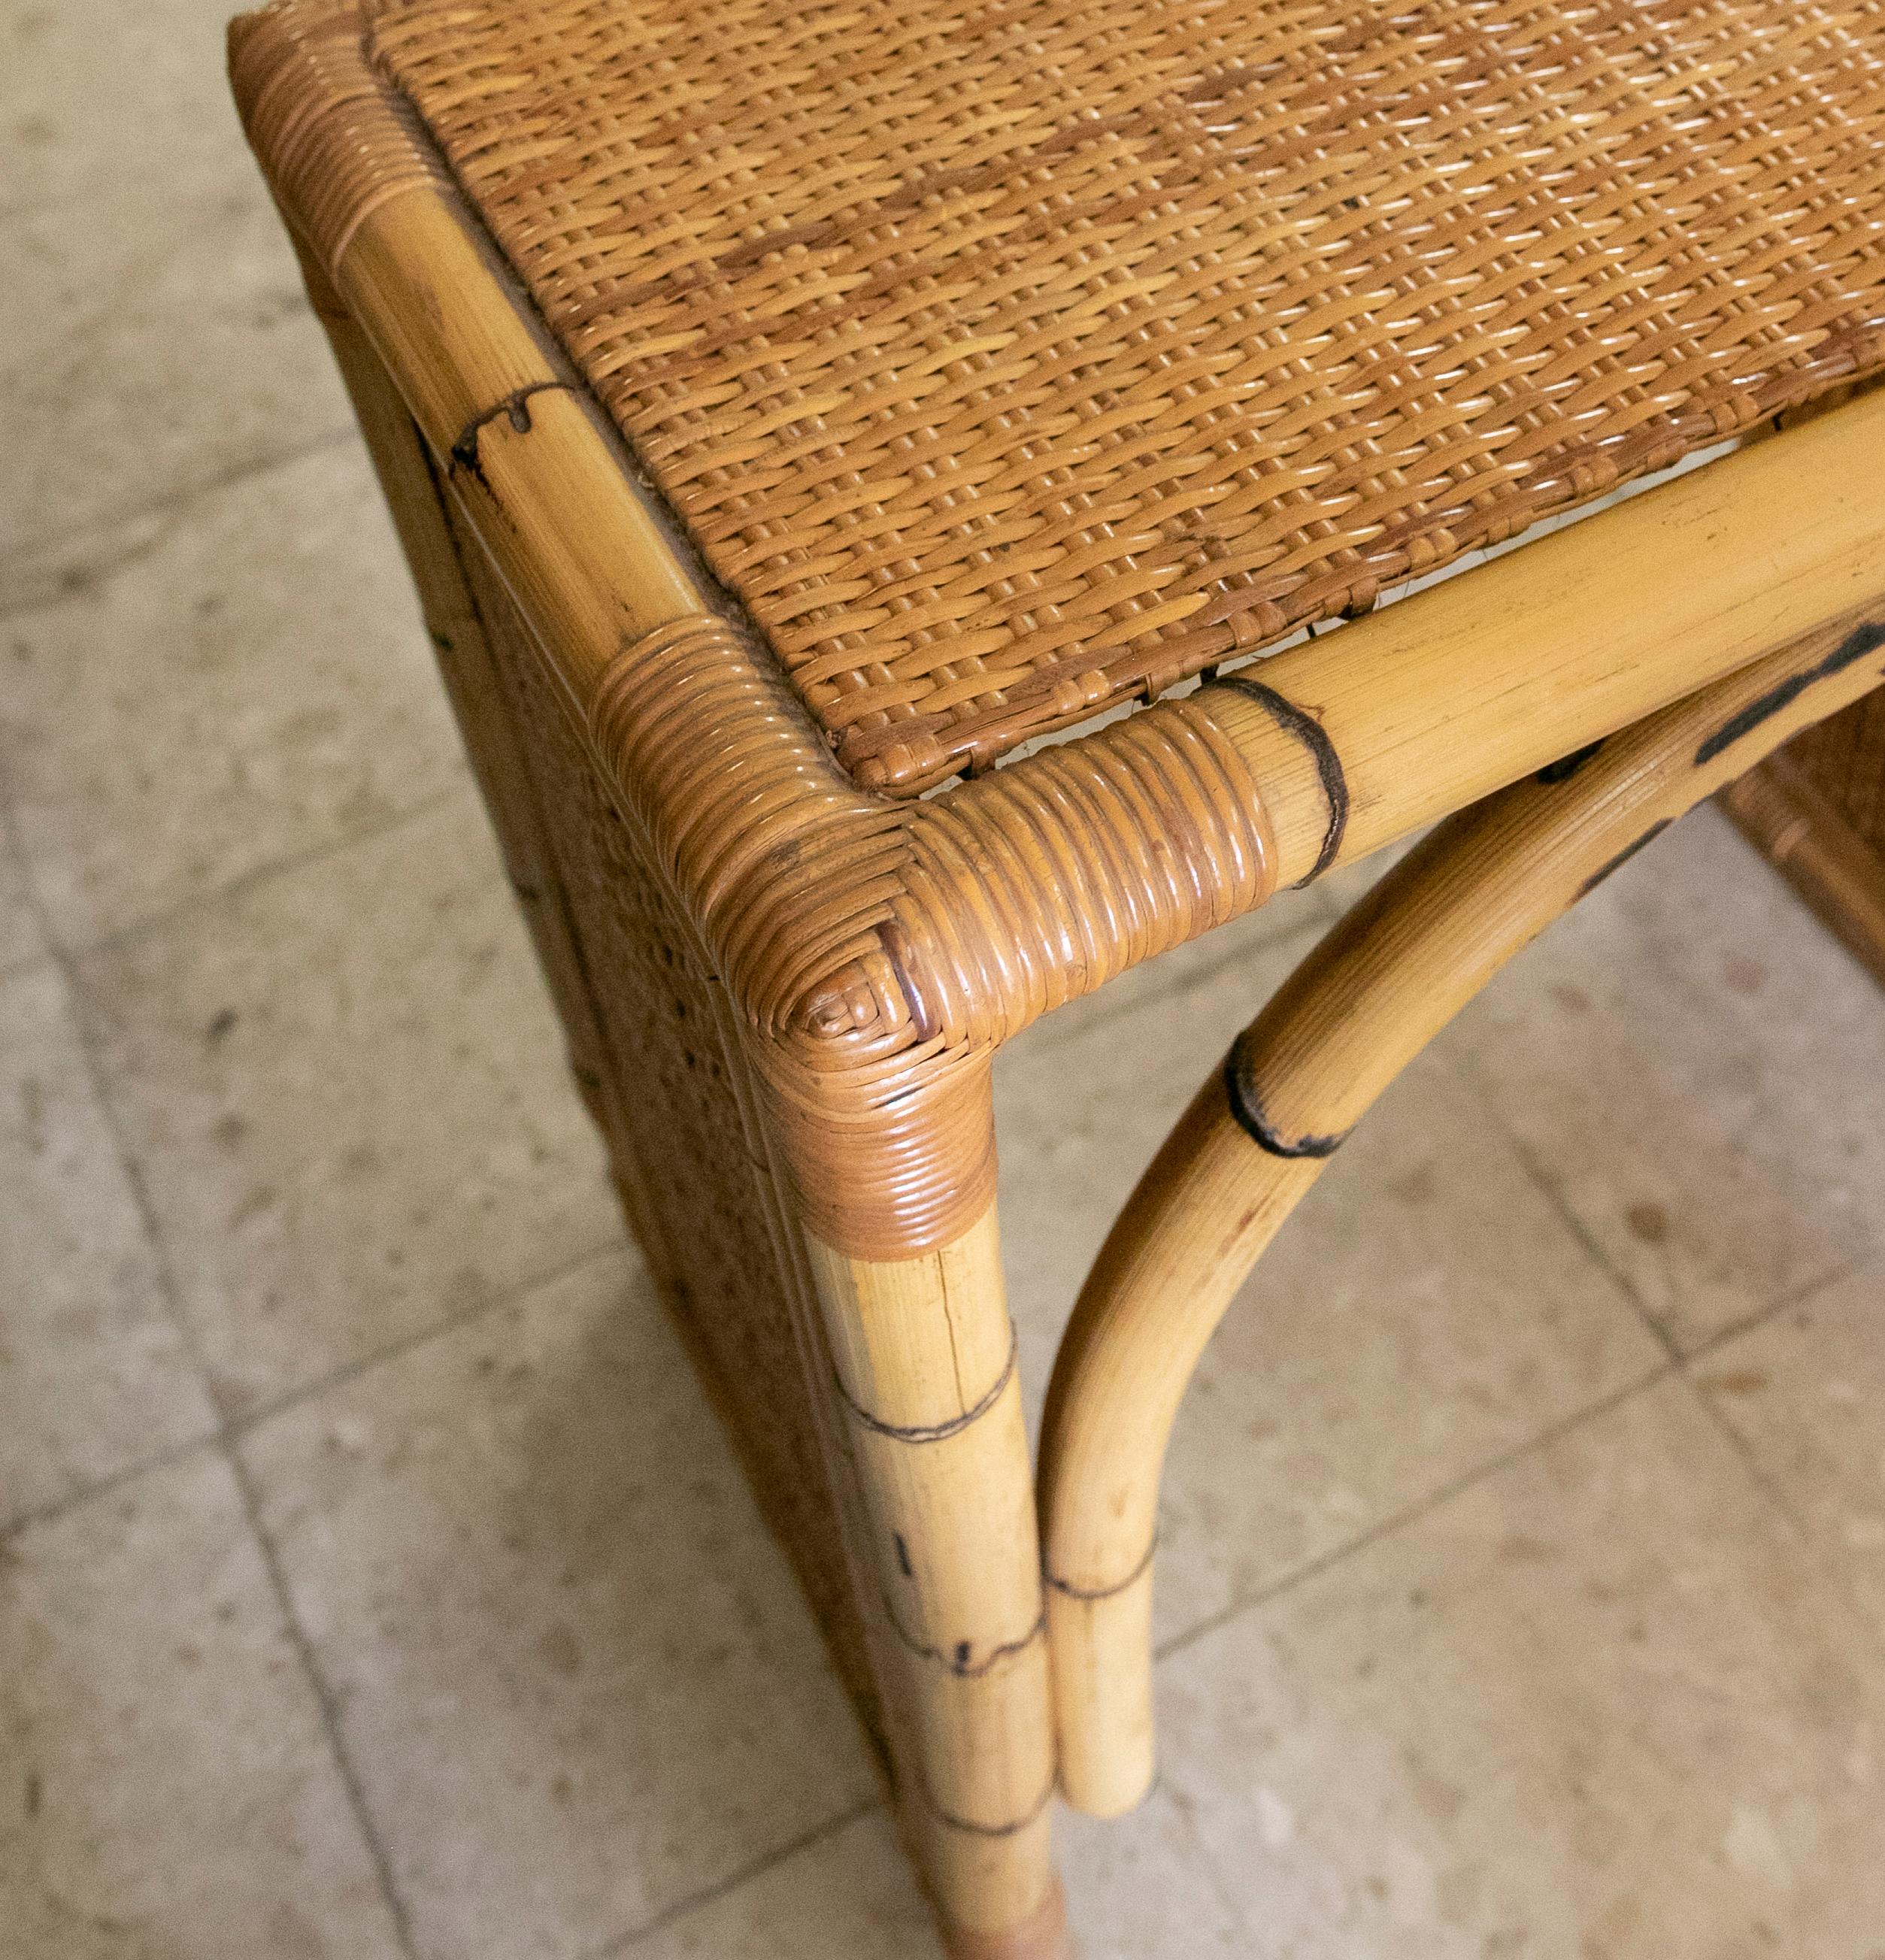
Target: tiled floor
{"x": 1522, "y": 1590}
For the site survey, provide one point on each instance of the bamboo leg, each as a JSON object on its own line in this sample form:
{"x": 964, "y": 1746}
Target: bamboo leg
{"x": 1387, "y": 979}
{"x": 923, "y": 1353}
{"x": 1192, "y": 1230}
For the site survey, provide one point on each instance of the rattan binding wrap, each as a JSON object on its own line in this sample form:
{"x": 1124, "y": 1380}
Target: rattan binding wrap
{"x": 879, "y": 951}
{"x": 1008, "y": 358}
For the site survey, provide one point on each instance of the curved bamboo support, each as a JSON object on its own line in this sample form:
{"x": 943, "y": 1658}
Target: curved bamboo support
{"x": 1369, "y": 998}
{"x": 923, "y": 1353}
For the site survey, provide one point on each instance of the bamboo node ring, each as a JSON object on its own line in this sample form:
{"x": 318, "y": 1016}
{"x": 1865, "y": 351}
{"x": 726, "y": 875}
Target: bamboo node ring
{"x": 1021, "y": 1823}
{"x": 957, "y": 1660}
{"x": 1304, "y": 726}
{"x": 1242, "y": 1097}
{"x": 932, "y": 1432}
{"x": 514, "y": 405}
{"x": 1862, "y": 641}
{"x": 1067, "y": 1587}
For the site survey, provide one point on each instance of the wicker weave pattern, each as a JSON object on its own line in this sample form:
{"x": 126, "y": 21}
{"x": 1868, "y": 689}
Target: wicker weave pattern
{"x": 1013, "y": 356}
{"x": 702, "y": 1206}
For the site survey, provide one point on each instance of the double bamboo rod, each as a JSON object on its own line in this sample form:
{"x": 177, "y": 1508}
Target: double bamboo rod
{"x": 1257, "y": 1136}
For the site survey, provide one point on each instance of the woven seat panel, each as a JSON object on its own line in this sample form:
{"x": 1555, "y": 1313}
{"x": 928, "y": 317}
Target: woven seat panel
{"x": 1010, "y": 359}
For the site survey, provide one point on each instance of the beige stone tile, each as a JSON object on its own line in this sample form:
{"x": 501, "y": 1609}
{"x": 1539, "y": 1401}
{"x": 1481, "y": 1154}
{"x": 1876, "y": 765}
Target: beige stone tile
{"x": 254, "y": 684}
{"x": 1142, "y": 1894}
{"x": 348, "y": 1092}
{"x": 152, "y": 326}
{"x": 850, "y": 1894}
{"x": 1805, "y": 1392}
{"x": 1423, "y": 1312}
{"x": 579, "y": 1682}
{"x": 1598, "y": 1707}
{"x": 158, "y": 335}
{"x": 93, "y": 1374}
{"x": 21, "y": 941}
{"x": 1153, "y": 1895}
{"x": 168, "y": 1787}
{"x": 100, "y": 94}
{"x": 1696, "y": 1065}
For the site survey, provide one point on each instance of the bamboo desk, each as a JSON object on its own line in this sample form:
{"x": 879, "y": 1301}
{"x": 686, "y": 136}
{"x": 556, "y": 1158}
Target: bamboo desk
{"x": 789, "y": 411}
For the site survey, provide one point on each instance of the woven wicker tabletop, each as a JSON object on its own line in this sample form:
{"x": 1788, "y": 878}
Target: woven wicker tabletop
{"x": 1010, "y": 359}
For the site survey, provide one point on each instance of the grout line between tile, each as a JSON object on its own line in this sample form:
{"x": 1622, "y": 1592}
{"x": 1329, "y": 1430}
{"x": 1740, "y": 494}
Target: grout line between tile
{"x": 1770, "y": 1491}
{"x": 1797, "y": 1296}
{"x": 324, "y": 1700}
{"x": 259, "y": 876}
{"x": 1757, "y": 1471}
{"x": 1815, "y": 1550}
{"x": 328, "y": 1705}
{"x": 1682, "y": 1359}
{"x": 1411, "y": 1514}
{"x": 1549, "y": 1189}
{"x": 236, "y": 1426}
{"x": 736, "y": 1880}
{"x": 55, "y": 1508}
{"x": 231, "y": 1429}
{"x": 168, "y": 506}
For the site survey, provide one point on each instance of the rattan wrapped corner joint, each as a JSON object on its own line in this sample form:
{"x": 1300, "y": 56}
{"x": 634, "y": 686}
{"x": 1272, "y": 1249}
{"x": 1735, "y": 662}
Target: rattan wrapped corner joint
{"x": 785, "y": 410}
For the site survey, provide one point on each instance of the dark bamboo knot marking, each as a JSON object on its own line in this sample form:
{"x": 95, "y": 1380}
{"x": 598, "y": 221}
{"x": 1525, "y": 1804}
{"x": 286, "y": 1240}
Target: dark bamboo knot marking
{"x": 1862, "y": 641}
{"x": 1309, "y": 732}
{"x": 932, "y": 1432}
{"x": 1240, "y": 1092}
{"x": 515, "y": 405}
{"x": 1069, "y": 1590}
{"x": 959, "y": 1660}
{"x": 1567, "y": 766}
